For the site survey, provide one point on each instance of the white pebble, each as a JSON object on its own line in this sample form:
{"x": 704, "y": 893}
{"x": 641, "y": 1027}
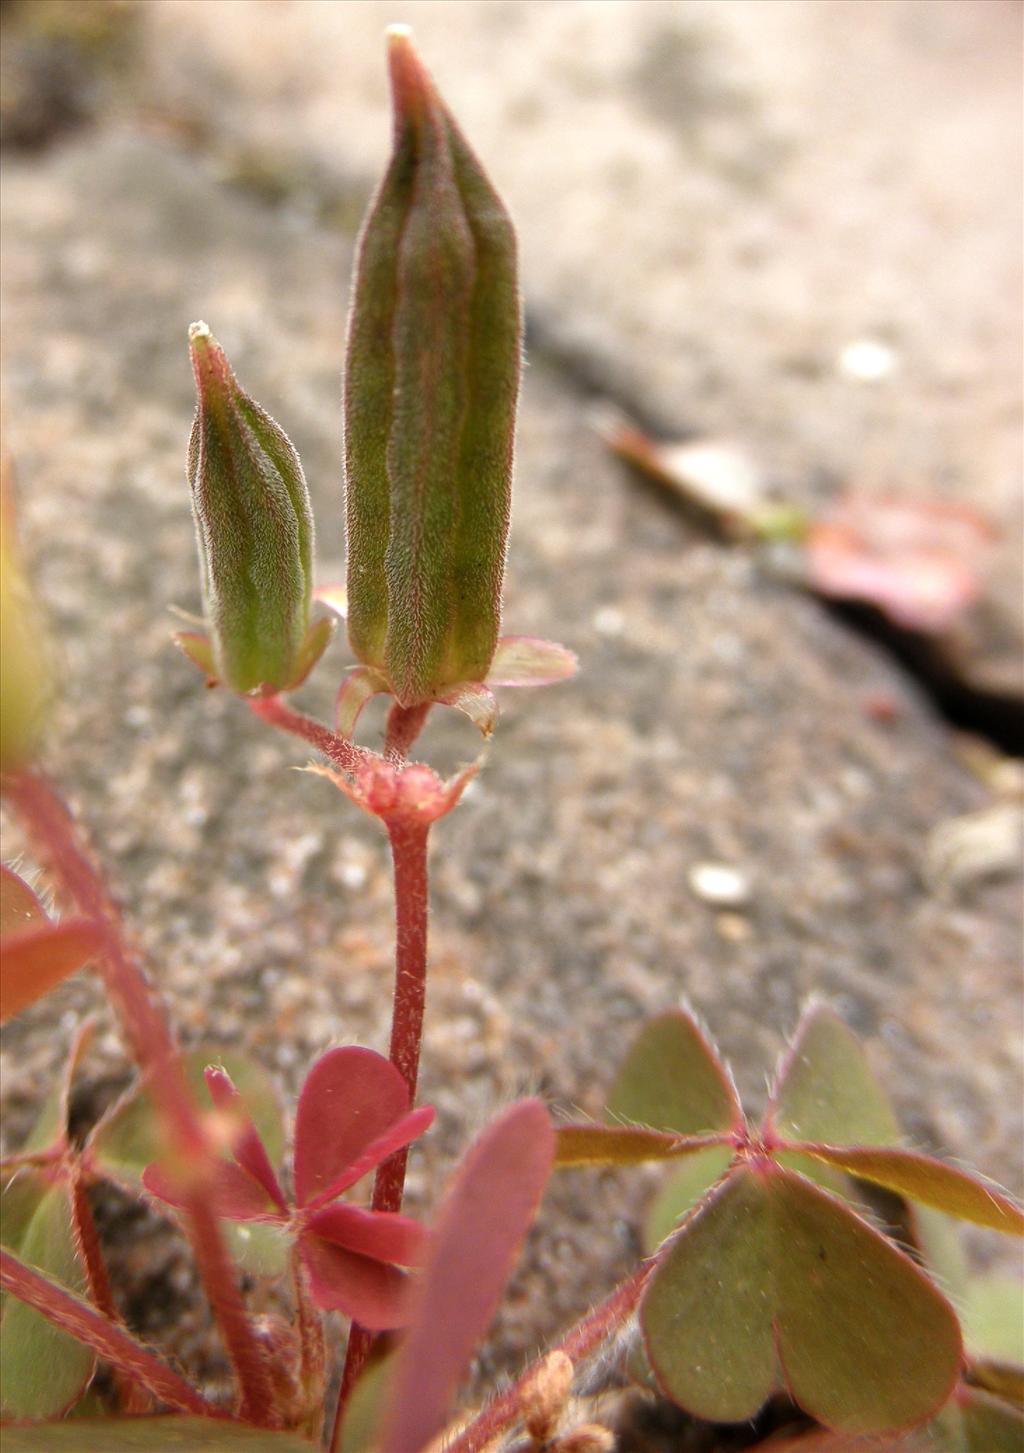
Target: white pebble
{"x": 868, "y": 360}
{"x": 719, "y": 884}
{"x": 608, "y": 621}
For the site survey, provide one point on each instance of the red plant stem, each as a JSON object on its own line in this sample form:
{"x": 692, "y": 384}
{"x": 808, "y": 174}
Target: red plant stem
{"x": 344, "y": 754}
{"x": 258, "y": 1403}
{"x": 577, "y": 1343}
{"x": 404, "y": 725}
{"x": 409, "y": 859}
{"x": 55, "y": 839}
{"x": 311, "y": 1331}
{"x": 132, "y": 1397}
{"x": 87, "y": 1325}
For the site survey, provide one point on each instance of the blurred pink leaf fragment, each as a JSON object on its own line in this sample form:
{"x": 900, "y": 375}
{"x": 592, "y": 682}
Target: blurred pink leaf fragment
{"x": 486, "y": 1214}
{"x": 530, "y": 661}
{"x": 920, "y": 561}
{"x": 35, "y": 959}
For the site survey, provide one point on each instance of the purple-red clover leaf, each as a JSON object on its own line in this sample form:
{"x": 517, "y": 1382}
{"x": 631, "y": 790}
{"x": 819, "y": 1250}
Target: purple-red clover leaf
{"x": 352, "y": 1115}
{"x": 128, "y": 1138}
{"x": 350, "y": 1097}
{"x": 483, "y": 1220}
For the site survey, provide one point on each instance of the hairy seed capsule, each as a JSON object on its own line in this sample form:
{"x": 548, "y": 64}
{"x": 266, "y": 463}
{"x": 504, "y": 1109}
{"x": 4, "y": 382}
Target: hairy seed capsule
{"x": 254, "y": 526}
{"x": 431, "y": 384}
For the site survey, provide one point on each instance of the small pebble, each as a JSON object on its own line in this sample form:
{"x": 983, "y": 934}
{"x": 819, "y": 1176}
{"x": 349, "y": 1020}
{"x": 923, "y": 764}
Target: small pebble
{"x": 733, "y": 927}
{"x": 351, "y": 875}
{"x": 608, "y": 621}
{"x": 720, "y": 884}
{"x": 868, "y": 360}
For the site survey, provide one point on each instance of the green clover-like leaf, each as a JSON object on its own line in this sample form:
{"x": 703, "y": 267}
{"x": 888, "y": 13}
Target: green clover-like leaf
{"x": 42, "y": 1369}
{"x": 672, "y": 1079}
{"x": 150, "y": 1435}
{"x": 772, "y": 1278}
{"x": 825, "y": 1090}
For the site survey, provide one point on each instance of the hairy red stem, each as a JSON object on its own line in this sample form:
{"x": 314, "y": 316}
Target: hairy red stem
{"x": 404, "y": 725}
{"x": 87, "y": 1325}
{"x": 53, "y": 833}
{"x": 344, "y": 754}
{"x": 132, "y": 1398}
{"x": 311, "y": 1332}
{"x": 409, "y": 859}
{"x": 587, "y": 1334}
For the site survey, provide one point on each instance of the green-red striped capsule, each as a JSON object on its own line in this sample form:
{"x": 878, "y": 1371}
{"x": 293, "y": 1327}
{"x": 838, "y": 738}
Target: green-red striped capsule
{"x": 254, "y": 526}
{"x": 431, "y": 384}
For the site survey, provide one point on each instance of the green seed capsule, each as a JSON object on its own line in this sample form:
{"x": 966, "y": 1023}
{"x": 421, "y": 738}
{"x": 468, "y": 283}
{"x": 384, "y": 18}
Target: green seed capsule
{"x": 432, "y": 379}
{"x": 254, "y": 526}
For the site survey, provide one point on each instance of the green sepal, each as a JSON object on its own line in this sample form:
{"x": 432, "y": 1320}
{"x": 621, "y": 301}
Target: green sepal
{"x": 199, "y": 650}
{"x": 314, "y": 644}
{"x": 362, "y": 683}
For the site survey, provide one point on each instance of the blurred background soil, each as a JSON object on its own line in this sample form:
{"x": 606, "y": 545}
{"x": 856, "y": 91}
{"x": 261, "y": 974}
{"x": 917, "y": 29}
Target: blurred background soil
{"x": 793, "y": 226}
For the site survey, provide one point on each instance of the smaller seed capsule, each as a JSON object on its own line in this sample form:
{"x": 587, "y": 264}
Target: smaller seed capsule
{"x": 254, "y": 526}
